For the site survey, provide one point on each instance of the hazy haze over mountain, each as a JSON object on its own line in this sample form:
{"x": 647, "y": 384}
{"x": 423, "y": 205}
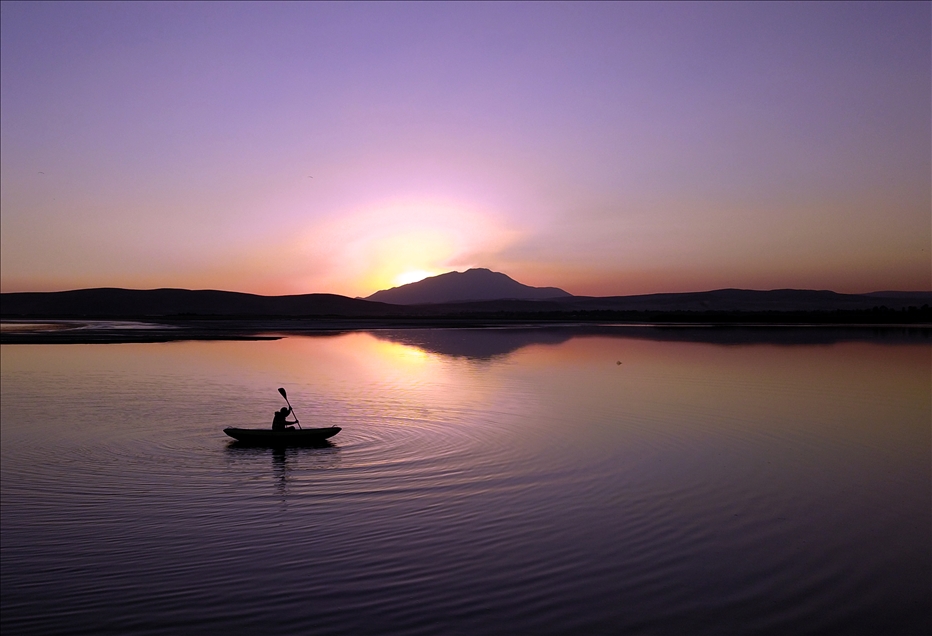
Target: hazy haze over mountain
{"x": 473, "y": 284}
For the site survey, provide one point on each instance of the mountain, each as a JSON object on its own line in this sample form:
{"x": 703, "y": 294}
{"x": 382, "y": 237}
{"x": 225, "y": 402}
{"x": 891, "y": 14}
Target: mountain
{"x": 471, "y": 285}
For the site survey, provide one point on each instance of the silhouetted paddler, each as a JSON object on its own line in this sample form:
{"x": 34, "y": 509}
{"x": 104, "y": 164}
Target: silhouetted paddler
{"x": 280, "y": 421}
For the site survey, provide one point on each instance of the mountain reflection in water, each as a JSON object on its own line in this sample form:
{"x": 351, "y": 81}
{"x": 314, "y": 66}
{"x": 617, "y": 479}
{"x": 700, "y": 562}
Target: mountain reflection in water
{"x": 479, "y": 344}
{"x": 486, "y": 482}
{"x": 488, "y": 343}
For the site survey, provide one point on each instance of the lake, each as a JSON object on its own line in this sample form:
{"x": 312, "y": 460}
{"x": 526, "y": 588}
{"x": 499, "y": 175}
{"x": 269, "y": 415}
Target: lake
{"x": 498, "y": 481}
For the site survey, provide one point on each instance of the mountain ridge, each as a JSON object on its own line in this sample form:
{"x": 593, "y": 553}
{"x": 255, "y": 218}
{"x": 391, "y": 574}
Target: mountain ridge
{"x": 111, "y": 302}
{"x": 119, "y": 302}
{"x": 476, "y": 284}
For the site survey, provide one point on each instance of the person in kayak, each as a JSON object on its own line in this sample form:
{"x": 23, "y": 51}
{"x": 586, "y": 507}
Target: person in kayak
{"x": 280, "y": 421}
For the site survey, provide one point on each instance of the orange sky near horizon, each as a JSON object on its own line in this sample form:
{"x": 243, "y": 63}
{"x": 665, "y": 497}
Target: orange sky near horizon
{"x": 606, "y": 149}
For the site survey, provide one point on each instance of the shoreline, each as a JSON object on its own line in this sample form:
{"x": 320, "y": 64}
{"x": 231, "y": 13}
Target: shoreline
{"x": 152, "y": 330}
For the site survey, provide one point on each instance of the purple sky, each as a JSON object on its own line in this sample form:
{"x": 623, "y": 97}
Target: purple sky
{"x": 603, "y": 148}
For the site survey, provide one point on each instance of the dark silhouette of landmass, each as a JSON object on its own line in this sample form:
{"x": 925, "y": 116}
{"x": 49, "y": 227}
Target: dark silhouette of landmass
{"x": 93, "y": 315}
{"x": 748, "y": 300}
{"x": 110, "y": 302}
{"x": 115, "y": 303}
{"x": 471, "y": 285}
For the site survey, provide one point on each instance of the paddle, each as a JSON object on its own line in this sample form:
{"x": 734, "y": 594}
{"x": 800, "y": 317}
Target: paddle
{"x": 285, "y": 395}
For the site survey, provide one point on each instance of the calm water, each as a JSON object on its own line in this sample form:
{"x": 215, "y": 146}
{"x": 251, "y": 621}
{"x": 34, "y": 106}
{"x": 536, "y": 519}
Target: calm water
{"x": 484, "y": 482}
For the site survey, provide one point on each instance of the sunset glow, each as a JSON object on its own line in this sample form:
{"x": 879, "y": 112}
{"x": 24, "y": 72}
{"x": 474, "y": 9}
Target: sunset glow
{"x": 413, "y": 276}
{"x": 602, "y": 148}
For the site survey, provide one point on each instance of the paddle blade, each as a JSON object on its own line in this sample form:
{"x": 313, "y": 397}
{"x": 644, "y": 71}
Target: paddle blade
{"x": 284, "y": 395}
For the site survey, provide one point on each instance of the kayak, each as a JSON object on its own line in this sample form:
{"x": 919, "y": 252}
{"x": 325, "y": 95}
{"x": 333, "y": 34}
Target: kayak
{"x": 294, "y": 437}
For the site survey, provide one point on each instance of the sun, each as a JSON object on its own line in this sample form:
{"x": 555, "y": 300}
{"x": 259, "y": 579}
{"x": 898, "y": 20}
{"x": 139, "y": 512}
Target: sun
{"x": 411, "y": 276}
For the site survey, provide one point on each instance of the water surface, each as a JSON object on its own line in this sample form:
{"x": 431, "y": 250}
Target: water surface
{"x": 498, "y": 481}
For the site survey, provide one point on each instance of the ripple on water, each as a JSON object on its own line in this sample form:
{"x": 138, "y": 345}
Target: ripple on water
{"x": 477, "y": 499}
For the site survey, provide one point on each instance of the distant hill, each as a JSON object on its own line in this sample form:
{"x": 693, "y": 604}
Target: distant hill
{"x": 472, "y": 285}
{"x": 109, "y": 302}
{"x": 744, "y": 300}
{"x": 423, "y": 302}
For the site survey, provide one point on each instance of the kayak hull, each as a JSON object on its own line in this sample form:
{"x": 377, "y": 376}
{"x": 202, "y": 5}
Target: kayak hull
{"x": 268, "y": 437}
